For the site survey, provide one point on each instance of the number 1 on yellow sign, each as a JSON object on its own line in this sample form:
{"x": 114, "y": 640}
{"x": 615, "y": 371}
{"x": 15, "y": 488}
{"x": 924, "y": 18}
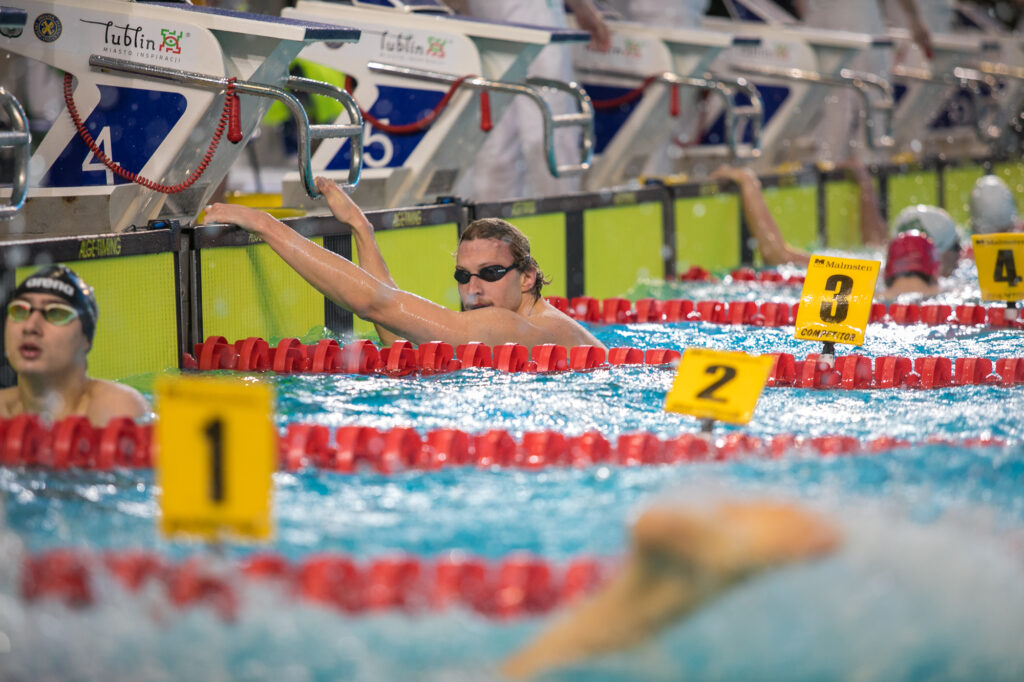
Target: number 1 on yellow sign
{"x": 217, "y": 452}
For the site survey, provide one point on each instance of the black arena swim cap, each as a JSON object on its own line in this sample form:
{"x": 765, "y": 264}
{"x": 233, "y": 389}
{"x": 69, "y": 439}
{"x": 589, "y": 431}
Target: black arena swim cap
{"x": 62, "y": 281}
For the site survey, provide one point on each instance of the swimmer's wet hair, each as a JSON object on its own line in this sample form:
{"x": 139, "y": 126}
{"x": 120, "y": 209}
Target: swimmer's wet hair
{"x": 496, "y": 228}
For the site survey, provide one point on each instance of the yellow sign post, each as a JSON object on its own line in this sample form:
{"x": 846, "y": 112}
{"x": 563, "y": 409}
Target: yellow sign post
{"x": 835, "y": 304}
{"x": 720, "y": 385}
{"x": 216, "y": 454}
{"x": 1000, "y": 261}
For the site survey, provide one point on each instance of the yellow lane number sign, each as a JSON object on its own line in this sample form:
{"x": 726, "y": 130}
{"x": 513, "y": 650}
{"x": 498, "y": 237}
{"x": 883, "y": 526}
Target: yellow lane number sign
{"x": 1000, "y": 261}
{"x": 216, "y": 457}
{"x": 721, "y": 385}
{"x": 835, "y": 304}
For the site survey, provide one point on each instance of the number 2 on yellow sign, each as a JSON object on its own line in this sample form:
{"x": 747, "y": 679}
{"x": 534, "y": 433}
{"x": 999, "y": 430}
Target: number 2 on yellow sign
{"x": 721, "y": 385}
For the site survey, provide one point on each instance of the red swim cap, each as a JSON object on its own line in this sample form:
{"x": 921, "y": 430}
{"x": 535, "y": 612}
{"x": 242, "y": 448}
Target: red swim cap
{"x": 911, "y": 252}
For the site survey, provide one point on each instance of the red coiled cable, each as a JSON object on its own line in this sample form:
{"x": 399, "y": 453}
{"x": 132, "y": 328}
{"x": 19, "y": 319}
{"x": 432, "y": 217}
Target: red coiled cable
{"x": 229, "y": 96}
{"x": 426, "y": 121}
{"x": 624, "y": 98}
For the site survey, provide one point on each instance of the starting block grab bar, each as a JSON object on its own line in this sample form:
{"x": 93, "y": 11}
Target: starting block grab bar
{"x": 976, "y": 80}
{"x": 736, "y": 117}
{"x": 862, "y": 82}
{"x": 19, "y": 139}
{"x": 305, "y": 131}
{"x": 583, "y": 118}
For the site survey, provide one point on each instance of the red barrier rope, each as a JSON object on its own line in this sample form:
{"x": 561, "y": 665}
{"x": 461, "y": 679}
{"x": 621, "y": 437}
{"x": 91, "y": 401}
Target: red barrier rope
{"x": 509, "y": 587}
{"x": 73, "y": 443}
{"x": 769, "y": 314}
{"x": 230, "y": 107}
{"x": 428, "y": 120}
{"x": 628, "y": 97}
{"x": 402, "y": 359}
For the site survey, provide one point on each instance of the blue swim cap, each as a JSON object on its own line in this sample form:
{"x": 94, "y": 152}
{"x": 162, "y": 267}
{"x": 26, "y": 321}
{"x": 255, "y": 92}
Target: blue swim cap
{"x": 61, "y": 281}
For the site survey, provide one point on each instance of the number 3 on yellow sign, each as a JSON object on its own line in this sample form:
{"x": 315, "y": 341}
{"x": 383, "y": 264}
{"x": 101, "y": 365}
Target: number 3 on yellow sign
{"x": 216, "y": 455}
{"x": 1000, "y": 261}
{"x": 722, "y": 385}
{"x": 835, "y": 304}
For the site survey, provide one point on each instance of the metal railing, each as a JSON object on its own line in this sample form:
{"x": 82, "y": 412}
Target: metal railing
{"x": 736, "y": 116}
{"x": 19, "y": 139}
{"x": 863, "y": 83}
{"x": 305, "y": 131}
{"x": 982, "y": 85}
{"x": 583, "y": 118}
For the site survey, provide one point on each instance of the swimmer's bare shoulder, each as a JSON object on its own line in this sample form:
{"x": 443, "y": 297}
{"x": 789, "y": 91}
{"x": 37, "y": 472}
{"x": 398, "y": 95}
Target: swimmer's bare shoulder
{"x": 108, "y": 400}
{"x": 567, "y": 330}
{"x": 8, "y": 401}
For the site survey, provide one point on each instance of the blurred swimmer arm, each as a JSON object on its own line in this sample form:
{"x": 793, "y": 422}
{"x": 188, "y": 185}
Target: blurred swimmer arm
{"x": 770, "y": 242}
{"x": 679, "y": 560}
{"x": 405, "y": 314}
{"x": 918, "y": 29}
{"x": 458, "y": 6}
{"x": 589, "y": 19}
{"x": 873, "y": 229}
{"x": 367, "y": 250}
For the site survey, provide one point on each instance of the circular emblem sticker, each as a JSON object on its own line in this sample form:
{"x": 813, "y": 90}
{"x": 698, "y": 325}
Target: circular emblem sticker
{"x": 47, "y": 27}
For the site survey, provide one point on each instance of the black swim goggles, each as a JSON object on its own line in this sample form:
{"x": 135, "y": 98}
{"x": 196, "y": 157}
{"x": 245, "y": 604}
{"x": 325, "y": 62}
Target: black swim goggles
{"x": 491, "y": 273}
{"x": 57, "y": 314}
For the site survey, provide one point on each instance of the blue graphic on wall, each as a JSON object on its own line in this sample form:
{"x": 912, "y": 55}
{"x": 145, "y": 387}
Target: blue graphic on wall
{"x": 397, "y": 106}
{"x": 772, "y": 97}
{"x": 960, "y": 110}
{"x": 608, "y": 121}
{"x": 128, "y": 124}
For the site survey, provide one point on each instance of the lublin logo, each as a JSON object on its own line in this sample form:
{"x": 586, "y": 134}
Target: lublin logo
{"x": 118, "y": 39}
{"x": 172, "y": 41}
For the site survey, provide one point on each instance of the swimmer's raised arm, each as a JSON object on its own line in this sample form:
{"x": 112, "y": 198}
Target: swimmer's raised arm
{"x": 367, "y": 250}
{"x": 770, "y": 242}
{"x": 407, "y": 315}
{"x": 874, "y": 231}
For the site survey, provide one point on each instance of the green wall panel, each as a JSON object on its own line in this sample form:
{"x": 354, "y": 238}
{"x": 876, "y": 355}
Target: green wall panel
{"x": 421, "y": 260}
{"x": 958, "y": 182}
{"x": 250, "y": 291}
{"x": 1013, "y": 174}
{"x": 911, "y": 188}
{"x": 842, "y": 214}
{"x": 796, "y": 211}
{"x": 137, "y": 332}
{"x": 546, "y": 233}
{"x": 621, "y": 244}
{"x": 708, "y": 232}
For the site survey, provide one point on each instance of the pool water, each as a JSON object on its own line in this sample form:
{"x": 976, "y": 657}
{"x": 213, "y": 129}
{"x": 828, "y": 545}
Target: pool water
{"x": 927, "y": 585}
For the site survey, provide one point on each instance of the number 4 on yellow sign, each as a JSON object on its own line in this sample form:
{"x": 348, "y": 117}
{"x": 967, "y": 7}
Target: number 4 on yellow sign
{"x": 216, "y": 455}
{"x": 1000, "y": 261}
{"x": 721, "y": 385}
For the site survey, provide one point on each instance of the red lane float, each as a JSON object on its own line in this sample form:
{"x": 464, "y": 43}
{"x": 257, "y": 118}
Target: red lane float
{"x": 510, "y": 587}
{"x": 768, "y": 314}
{"x": 351, "y": 449}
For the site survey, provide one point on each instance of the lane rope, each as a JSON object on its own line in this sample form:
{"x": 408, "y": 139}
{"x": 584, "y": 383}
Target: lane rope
{"x": 74, "y": 444}
{"x": 514, "y": 586}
